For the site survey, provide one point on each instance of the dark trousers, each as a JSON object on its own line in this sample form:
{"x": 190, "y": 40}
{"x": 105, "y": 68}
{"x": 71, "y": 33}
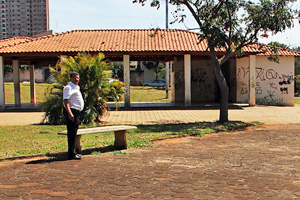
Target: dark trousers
{"x": 72, "y": 127}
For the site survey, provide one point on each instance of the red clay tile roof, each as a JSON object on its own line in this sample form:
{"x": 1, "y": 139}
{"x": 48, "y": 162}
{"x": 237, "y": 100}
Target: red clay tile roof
{"x": 13, "y": 41}
{"x": 267, "y": 51}
{"x": 171, "y": 40}
{"x": 112, "y": 40}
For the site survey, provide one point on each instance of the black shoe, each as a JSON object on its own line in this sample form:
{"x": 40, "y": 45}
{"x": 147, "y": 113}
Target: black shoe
{"x": 77, "y": 157}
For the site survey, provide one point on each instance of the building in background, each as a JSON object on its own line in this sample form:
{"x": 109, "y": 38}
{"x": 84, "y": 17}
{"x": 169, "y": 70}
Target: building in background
{"x": 23, "y": 17}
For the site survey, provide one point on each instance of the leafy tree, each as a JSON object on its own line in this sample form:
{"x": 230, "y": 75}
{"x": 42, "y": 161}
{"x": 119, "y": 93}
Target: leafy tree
{"x": 94, "y": 84}
{"x": 297, "y": 74}
{"x": 297, "y": 63}
{"x": 117, "y": 71}
{"x": 155, "y": 66}
{"x": 9, "y": 68}
{"x": 278, "y": 44}
{"x": 231, "y": 25}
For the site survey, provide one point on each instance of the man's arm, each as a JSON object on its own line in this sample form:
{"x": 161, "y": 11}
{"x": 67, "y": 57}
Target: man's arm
{"x": 67, "y": 107}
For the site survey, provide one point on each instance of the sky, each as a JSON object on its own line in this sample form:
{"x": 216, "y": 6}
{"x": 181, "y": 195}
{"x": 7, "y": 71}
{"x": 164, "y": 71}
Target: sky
{"x": 68, "y": 15}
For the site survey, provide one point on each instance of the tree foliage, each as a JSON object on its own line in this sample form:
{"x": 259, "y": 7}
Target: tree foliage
{"x": 297, "y": 63}
{"x": 231, "y": 25}
{"x": 155, "y": 66}
{"x": 94, "y": 85}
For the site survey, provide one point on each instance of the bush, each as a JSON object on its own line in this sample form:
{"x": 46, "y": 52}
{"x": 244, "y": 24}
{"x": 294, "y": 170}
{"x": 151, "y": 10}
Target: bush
{"x": 94, "y": 85}
{"x": 297, "y": 85}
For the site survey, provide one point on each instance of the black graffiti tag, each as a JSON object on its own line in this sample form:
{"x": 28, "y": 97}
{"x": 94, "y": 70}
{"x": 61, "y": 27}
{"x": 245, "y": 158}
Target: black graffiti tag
{"x": 245, "y": 71}
{"x": 260, "y": 74}
{"x": 272, "y": 74}
{"x": 284, "y": 90}
{"x": 198, "y": 75}
{"x": 286, "y": 80}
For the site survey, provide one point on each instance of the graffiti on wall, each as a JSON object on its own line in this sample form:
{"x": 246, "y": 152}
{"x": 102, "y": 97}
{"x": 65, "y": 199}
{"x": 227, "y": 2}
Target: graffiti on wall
{"x": 179, "y": 79}
{"x": 274, "y": 79}
{"x": 242, "y": 74}
{"x": 244, "y": 90}
{"x": 202, "y": 84}
{"x": 243, "y": 71}
{"x": 284, "y": 90}
{"x": 258, "y": 89}
{"x": 269, "y": 99}
{"x": 269, "y": 77}
{"x": 197, "y": 76}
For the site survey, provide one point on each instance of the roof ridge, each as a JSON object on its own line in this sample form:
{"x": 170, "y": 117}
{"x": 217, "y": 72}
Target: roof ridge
{"x": 89, "y": 30}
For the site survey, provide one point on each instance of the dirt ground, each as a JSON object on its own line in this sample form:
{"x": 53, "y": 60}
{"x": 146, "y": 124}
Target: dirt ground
{"x": 258, "y": 163}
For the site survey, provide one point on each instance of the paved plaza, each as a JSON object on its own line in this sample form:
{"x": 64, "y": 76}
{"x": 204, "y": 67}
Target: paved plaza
{"x": 145, "y": 115}
{"x": 257, "y": 163}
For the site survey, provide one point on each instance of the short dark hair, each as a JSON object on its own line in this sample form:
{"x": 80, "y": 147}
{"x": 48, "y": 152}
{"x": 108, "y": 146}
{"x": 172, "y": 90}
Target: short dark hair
{"x": 73, "y": 73}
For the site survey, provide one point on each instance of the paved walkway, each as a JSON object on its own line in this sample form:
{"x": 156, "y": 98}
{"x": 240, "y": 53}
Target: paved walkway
{"x": 261, "y": 163}
{"x": 266, "y": 114}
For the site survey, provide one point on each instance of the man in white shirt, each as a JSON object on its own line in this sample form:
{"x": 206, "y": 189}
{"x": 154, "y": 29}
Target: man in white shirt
{"x": 73, "y": 104}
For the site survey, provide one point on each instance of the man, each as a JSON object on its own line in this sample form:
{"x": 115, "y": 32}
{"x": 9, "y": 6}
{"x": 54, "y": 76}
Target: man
{"x": 73, "y": 104}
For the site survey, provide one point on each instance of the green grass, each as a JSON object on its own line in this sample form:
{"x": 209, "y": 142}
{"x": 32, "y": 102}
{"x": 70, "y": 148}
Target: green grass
{"x": 138, "y": 93}
{"x": 43, "y": 139}
{"x": 120, "y": 153}
{"x": 25, "y": 92}
{"x": 297, "y": 100}
{"x": 148, "y": 94}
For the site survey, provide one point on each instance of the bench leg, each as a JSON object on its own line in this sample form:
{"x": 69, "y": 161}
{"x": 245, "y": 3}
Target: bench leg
{"x": 77, "y": 144}
{"x": 120, "y": 140}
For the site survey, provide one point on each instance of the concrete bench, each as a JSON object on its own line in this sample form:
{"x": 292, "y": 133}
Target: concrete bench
{"x": 120, "y": 135}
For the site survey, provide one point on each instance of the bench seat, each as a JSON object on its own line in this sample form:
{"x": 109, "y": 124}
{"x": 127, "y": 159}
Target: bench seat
{"x": 120, "y": 135}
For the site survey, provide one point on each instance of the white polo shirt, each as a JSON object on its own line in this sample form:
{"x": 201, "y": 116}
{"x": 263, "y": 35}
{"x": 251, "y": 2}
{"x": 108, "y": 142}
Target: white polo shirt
{"x": 73, "y": 94}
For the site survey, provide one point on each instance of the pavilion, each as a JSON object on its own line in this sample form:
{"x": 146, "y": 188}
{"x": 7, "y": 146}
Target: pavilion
{"x": 191, "y": 70}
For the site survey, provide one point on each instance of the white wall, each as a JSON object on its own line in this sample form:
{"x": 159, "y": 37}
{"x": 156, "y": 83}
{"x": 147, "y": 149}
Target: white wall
{"x": 242, "y": 78}
{"x": 274, "y": 82}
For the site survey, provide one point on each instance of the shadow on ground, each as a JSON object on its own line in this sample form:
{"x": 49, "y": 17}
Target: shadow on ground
{"x": 193, "y": 129}
{"x": 63, "y": 156}
{"x": 182, "y": 127}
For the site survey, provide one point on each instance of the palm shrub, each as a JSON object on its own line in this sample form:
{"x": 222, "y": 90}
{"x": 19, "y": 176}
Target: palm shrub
{"x": 94, "y": 84}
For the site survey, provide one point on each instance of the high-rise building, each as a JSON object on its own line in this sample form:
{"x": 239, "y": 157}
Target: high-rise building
{"x": 23, "y": 17}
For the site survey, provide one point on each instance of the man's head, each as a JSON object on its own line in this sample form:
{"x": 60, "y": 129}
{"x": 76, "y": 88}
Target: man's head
{"x": 74, "y": 77}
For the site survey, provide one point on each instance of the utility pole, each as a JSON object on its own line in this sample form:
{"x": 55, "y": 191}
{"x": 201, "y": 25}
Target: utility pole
{"x": 168, "y": 63}
{"x": 167, "y": 14}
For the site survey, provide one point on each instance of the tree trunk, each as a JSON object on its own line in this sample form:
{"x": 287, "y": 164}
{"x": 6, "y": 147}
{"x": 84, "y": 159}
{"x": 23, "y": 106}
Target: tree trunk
{"x": 224, "y": 91}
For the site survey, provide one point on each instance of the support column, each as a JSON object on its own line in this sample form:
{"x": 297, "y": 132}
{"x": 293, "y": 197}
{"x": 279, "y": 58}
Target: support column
{"x": 167, "y": 79}
{"x": 126, "y": 70}
{"x": 2, "y": 94}
{"x": 16, "y": 76}
{"x": 173, "y": 80}
{"x": 252, "y": 80}
{"x": 187, "y": 80}
{"x": 32, "y": 84}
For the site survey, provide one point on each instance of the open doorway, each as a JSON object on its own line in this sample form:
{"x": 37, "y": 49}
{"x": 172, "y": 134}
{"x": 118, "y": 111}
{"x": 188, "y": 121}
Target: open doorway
{"x": 147, "y": 81}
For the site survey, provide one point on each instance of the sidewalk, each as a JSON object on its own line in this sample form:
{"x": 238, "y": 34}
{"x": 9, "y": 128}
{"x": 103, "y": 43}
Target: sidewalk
{"x": 167, "y": 114}
{"x": 260, "y": 163}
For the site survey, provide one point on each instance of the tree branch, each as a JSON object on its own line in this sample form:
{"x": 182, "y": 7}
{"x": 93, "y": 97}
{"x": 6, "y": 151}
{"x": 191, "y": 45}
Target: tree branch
{"x": 187, "y": 4}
